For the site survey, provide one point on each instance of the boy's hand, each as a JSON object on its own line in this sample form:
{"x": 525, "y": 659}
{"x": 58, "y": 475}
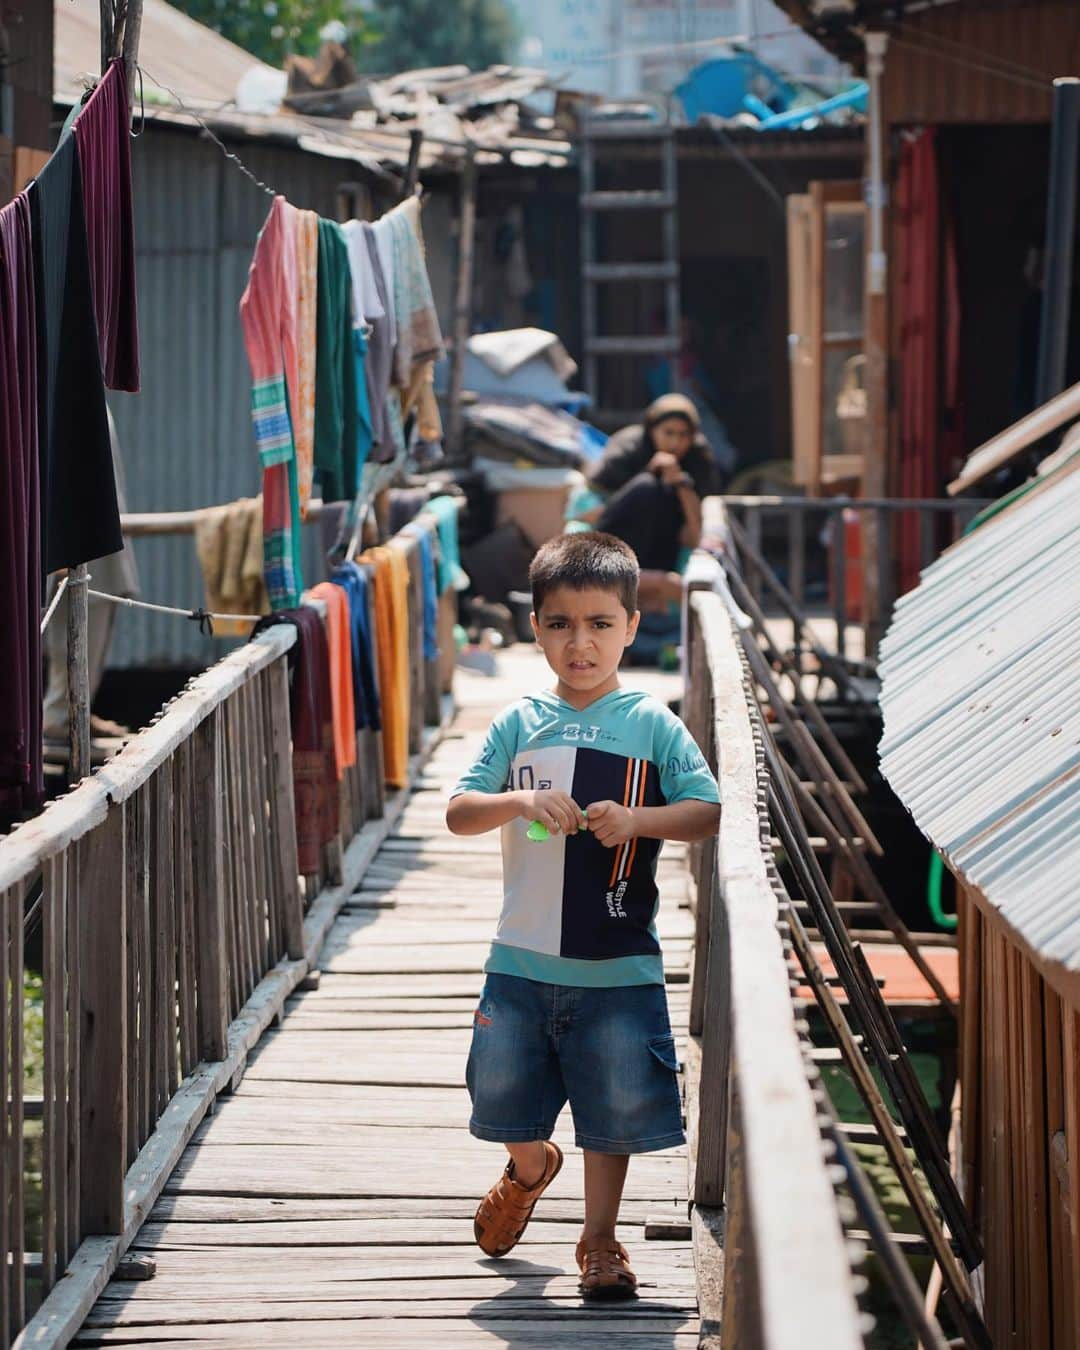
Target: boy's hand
{"x": 553, "y": 809}
{"x": 611, "y": 822}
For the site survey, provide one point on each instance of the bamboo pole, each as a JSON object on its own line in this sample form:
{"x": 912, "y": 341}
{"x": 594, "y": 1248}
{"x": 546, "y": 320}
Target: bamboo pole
{"x": 128, "y": 21}
{"x": 876, "y": 339}
{"x": 130, "y": 49}
{"x": 412, "y": 170}
{"x": 463, "y": 301}
{"x": 78, "y": 675}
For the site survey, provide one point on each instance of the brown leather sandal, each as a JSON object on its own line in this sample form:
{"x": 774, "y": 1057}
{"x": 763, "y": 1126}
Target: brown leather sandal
{"x": 504, "y": 1213}
{"x": 605, "y": 1269}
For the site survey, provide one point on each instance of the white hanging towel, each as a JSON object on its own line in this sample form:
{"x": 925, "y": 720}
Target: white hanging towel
{"x": 366, "y": 303}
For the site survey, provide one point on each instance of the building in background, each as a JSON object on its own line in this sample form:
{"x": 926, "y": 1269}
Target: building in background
{"x": 26, "y": 65}
{"x": 626, "y": 48}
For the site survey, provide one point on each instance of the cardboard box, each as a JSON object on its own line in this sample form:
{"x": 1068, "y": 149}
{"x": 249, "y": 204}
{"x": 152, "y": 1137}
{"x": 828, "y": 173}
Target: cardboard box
{"x": 537, "y": 512}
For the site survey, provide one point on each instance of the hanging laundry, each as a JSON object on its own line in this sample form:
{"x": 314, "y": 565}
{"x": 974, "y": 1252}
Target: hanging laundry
{"x": 268, "y": 314}
{"x": 446, "y": 511}
{"x": 339, "y": 637}
{"x": 419, "y": 339}
{"x": 335, "y": 370}
{"x": 21, "y": 778}
{"x": 382, "y": 236}
{"x": 315, "y": 790}
{"x": 366, "y": 308}
{"x": 302, "y": 405}
{"x": 229, "y": 546}
{"x": 102, "y": 131}
{"x": 80, "y": 518}
{"x": 379, "y": 359}
{"x": 426, "y": 545}
{"x": 392, "y": 651}
{"x": 367, "y": 302}
{"x": 354, "y": 581}
{"x": 365, "y": 436}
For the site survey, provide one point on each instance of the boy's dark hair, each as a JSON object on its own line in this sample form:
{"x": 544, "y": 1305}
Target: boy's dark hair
{"x": 583, "y": 561}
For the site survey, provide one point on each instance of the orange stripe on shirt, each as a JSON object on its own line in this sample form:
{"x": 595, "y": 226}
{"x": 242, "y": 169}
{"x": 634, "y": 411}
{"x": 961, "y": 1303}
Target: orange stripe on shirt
{"x": 640, "y": 802}
{"x": 626, "y": 802}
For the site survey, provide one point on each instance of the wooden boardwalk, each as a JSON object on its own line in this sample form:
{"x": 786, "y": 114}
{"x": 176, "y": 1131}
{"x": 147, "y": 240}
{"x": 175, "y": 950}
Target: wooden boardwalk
{"x": 329, "y": 1199}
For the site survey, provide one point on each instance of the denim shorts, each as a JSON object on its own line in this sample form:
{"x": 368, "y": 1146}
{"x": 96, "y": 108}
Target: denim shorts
{"x": 609, "y": 1052}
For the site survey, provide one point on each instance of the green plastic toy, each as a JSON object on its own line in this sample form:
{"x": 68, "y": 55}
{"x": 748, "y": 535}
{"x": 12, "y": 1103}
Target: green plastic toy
{"x": 539, "y": 833}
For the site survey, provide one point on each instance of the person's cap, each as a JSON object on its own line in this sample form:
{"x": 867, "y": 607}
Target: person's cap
{"x": 672, "y": 405}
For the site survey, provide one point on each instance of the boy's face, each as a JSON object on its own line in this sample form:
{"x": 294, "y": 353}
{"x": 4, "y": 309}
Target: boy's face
{"x": 583, "y": 634}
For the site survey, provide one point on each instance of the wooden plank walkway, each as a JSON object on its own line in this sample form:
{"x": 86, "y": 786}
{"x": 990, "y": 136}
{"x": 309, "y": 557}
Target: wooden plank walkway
{"x": 329, "y": 1200}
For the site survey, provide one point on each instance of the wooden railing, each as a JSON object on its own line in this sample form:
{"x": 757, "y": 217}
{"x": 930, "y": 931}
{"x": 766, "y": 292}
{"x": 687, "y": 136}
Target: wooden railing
{"x": 166, "y": 887}
{"x": 929, "y": 525}
{"x": 759, "y": 1145}
{"x": 173, "y": 925}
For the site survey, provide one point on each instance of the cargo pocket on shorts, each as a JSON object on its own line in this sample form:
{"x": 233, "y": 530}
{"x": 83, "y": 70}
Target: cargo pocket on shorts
{"x": 663, "y": 1047}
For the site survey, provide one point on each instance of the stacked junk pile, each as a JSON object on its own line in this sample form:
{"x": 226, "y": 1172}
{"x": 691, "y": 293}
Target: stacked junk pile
{"x": 524, "y": 452}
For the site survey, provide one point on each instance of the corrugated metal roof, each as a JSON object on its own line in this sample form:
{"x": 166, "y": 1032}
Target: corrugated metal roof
{"x": 980, "y": 697}
{"x": 184, "y": 58}
{"x": 203, "y": 67}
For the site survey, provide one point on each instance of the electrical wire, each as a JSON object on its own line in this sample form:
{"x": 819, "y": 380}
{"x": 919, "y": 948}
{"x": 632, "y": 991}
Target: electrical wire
{"x": 1013, "y": 67}
{"x": 751, "y": 168}
{"x": 929, "y": 49}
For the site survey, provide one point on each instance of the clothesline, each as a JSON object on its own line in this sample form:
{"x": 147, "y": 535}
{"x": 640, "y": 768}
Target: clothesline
{"x": 201, "y": 616}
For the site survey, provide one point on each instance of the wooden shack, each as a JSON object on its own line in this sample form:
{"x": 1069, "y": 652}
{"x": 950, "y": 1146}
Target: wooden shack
{"x": 981, "y": 728}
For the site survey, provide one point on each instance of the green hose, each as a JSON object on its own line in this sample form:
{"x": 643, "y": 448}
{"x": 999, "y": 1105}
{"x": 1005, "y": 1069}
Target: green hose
{"x": 933, "y": 893}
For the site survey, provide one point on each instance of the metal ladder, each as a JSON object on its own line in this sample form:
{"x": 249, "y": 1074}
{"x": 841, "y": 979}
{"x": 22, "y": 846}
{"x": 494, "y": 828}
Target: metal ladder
{"x": 597, "y": 136}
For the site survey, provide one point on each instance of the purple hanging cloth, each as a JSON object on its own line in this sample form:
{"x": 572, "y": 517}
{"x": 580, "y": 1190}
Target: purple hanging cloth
{"x": 21, "y": 777}
{"x": 102, "y": 132}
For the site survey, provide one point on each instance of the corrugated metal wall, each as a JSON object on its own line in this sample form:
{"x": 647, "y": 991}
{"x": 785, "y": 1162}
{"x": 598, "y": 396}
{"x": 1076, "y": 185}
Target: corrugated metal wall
{"x": 186, "y": 439}
{"x": 990, "y": 65}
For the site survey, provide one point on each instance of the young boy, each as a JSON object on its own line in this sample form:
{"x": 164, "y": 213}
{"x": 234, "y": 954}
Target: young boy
{"x": 574, "y": 1005}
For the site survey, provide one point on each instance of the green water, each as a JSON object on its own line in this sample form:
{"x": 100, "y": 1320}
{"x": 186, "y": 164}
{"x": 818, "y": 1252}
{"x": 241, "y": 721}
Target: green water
{"x": 890, "y": 1331}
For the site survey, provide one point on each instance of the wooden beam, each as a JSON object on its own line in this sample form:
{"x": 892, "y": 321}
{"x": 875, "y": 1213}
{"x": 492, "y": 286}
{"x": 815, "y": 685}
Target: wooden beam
{"x": 995, "y": 453}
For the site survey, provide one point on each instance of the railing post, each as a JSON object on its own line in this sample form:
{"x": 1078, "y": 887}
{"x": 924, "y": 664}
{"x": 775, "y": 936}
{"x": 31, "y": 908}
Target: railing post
{"x": 739, "y": 1326}
{"x": 714, "y": 1093}
{"x": 754, "y": 531}
{"x": 286, "y": 886}
{"x": 12, "y": 1158}
{"x": 839, "y": 545}
{"x": 103, "y": 1013}
{"x": 884, "y": 533}
{"x": 796, "y": 523}
{"x": 207, "y": 788}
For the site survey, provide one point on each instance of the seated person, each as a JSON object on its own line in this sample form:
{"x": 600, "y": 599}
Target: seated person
{"x": 646, "y": 489}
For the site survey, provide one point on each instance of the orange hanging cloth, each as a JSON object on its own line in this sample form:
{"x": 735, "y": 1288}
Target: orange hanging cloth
{"x": 339, "y": 637}
{"x": 392, "y": 652}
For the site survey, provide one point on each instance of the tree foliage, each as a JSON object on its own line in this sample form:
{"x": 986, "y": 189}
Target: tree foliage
{"x": 384, "y": 35}
{"x": 410, "y": 34}
{"x": 271, "y": 29}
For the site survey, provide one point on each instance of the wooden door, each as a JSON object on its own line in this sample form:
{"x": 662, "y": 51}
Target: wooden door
{"x": 826, "y": 228}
